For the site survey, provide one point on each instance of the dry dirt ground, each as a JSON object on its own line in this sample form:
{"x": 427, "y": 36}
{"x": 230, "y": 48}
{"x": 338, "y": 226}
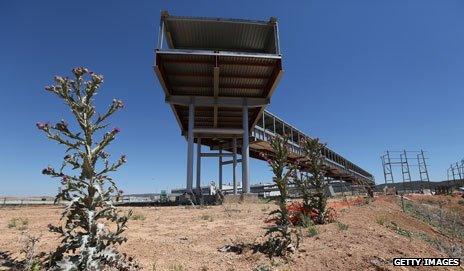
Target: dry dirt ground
{"x": 365, "y": 237}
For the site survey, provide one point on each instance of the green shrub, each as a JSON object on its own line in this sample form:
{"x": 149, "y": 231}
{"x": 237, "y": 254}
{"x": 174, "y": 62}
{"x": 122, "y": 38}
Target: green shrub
{"x": 399, "y": 230}
{"x": 306, "y": 221}
{"x": 313, "y": 186}
{"x": 177, "y": 267}
{"x": 282, "y": 239}
{"x": 380, "y": 220}
{"x": 207, "y": 217}
{"x": 342, "y": 226}
{"x": 138, "y": 216}
{"x": 18, "y": 223}
{"x": 88, "y": 241}
{"x": 312, "y": 231}
{"x": 262, "y": 268}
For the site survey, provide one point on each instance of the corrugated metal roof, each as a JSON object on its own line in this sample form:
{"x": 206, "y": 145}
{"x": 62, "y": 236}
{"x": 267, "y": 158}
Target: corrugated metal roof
{"x": 190, "y": 74}
{"x": 221, "y": 34}
{"x": 244, "y": 52}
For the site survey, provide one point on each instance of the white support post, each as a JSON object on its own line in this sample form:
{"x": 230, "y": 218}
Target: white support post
{"x": 234, "y": 165}
{"x": 199, "y": 166}
{"x": 220, "y": 169}
{"x": 245, "y": 152}
{"x": 191, "y": 119}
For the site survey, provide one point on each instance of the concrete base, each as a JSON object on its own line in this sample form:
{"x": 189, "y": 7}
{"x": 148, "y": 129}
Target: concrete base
{"x": 241, "y": 198}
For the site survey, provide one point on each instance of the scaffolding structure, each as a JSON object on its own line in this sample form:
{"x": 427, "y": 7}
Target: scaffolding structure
{"x": 405, "y": 160}
{"x": 456, "y": 171}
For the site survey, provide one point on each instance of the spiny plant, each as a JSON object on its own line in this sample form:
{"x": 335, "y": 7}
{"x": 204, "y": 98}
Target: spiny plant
{"x": 281, "y": 236}
{"x": 87, "y": 243}
{"x": 32, "y": 260}
{"x": 311, "y": 183}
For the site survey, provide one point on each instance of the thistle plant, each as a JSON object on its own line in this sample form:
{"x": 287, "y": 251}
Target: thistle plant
{"x": 312, "y": 184}
{"x": 87, "y": 243}
{"x": 281, "y": 236}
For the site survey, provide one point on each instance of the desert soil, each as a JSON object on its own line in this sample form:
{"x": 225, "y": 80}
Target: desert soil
{"x": 180, "y": 238}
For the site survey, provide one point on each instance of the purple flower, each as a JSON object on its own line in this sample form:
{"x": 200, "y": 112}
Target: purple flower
{"x": 97, "y": 78}
{"x": 118, "y": 104}
{"x": 48, "y": 171}
{"x": 50, "y": 88}
{"x": 43, "y": 126}
{"x": 123, "y": 158}
{"x": 59, "y": 79}
{"x": 79, "y": 71}
{"x": 62, "y": 126}
{"x": 104, "y": 154}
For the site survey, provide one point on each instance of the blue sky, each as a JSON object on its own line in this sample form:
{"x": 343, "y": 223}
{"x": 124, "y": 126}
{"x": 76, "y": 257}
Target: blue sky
{"x": 364, "y": 76}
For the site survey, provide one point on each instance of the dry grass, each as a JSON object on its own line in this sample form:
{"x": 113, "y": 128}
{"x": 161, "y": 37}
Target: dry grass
{"x": 176, "y": 238}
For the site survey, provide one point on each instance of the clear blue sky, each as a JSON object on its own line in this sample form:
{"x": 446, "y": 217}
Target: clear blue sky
{"x": 363, "y": 75}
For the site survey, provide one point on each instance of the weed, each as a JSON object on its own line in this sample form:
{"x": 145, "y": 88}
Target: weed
{"x": 262, "y": 268}
{"x": 265, "y": 209}
{"x": 380, "y": 220}
{"x": 32, "y": 260}
{"x": 342, "y": 226}
{"x": 136, "y": 216}
{"x": 207, "y": 217}
{"x": 18, "y": 223}
{"x": 306, "y": 221}
{"x": 87, "y": 238}
{"x": 399, "y": 230}
{"x": 448, "y": 223}
{"x": 177, "y": 267}
{"x": 312, "y": 231}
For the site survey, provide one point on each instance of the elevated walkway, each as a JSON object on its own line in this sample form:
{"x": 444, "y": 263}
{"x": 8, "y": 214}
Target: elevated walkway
{"x": 218, "y": 75}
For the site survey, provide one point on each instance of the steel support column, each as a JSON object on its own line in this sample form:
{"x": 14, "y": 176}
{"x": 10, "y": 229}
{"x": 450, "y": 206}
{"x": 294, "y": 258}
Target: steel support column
{"x": 220, "y": 169}
{"x": 245, "y": 152}
{"x": 190, "y": 148}
{"x": 199, "y": 165}
{"x": 234, "y": 164}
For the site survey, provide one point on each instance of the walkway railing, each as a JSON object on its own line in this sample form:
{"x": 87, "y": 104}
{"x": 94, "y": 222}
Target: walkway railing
{"x": 270, "y": 125}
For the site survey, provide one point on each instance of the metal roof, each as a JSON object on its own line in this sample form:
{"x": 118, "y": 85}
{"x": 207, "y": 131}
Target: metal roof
{"x": 218, "y": 59}
{"x": 220, "y": 34}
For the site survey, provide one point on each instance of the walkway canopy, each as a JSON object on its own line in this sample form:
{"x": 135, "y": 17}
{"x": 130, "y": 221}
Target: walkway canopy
{"x": 222, "y": 64}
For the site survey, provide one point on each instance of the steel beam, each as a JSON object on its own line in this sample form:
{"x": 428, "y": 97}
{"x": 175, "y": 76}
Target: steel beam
{"x": 249, "y": 57}
{"x": 199, "y": 166}
{"x": 219, "y": 101}
{"x": 227, "y": 131}
{"x": 220, "y": 169}
{"x": 245, "y": 152}
{"x": 234, "y": 165}
{"x": 225, "y": 163}
{"x": 216, "y": 91}
{"x": 214, "y": 154}
{"x": 190, "y": 147}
